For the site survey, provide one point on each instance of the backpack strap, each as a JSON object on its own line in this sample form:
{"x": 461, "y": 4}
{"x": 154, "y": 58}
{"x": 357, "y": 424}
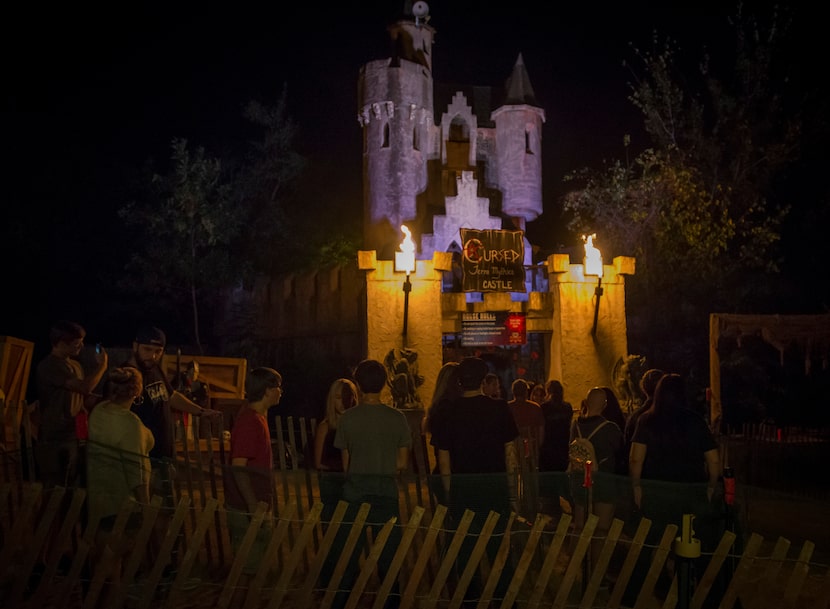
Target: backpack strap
{"x": 598, "y": 427}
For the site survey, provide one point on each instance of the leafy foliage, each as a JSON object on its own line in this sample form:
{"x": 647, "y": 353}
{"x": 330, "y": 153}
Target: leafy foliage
{"x": 186, "y": 224}
{"x": 699, "y": 208}
{"x": 264, "y": 186}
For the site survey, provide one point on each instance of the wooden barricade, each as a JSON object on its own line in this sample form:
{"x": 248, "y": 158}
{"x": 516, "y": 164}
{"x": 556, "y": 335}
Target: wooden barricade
{"x": 15, "y": 367}
{"x": 549, "y": 559}
{"x": 288, "y": 575}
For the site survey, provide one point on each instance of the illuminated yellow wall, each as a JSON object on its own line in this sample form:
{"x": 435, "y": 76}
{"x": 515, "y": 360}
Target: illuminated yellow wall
{"x": 580, "y": 359}
{"x": 385, "y": 313}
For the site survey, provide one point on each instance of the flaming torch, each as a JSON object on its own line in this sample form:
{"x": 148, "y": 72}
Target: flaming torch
{"x": 405, "y": 261}
{"x": 593, "y": 266}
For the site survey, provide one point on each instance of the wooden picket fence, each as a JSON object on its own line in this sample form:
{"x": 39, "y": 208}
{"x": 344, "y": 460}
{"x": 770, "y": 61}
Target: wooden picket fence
{"x": 549, "y": 558}
{"x": 549, "y": 567}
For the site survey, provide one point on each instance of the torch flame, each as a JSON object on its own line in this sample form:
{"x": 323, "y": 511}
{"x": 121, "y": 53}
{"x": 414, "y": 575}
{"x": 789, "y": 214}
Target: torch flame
{"x": 405, "y": 259}
{"x": 593, "y": 257}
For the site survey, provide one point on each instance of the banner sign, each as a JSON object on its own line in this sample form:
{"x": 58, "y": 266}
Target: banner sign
{"x": 493, "y": 329}
{"x": 493, "y": 260}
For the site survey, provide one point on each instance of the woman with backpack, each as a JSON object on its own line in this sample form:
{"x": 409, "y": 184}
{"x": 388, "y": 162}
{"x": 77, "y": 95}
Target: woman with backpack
{"x": 594, "y": 438}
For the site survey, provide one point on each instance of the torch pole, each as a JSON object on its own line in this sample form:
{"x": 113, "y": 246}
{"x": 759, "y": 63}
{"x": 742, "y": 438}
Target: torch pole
{"x": 407, "y": 288}
{"x": 598, "y": 294}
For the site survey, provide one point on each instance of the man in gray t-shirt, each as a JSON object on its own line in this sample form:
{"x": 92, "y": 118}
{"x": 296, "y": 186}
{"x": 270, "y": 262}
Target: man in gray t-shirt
{"x": 374, "y": 439}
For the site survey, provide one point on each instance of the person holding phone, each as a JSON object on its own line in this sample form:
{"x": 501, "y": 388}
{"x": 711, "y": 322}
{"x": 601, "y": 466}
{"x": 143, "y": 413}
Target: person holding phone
{"x": 62, "y": 388}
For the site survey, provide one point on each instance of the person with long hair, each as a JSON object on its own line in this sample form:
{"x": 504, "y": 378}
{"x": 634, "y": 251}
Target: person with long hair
{"x": 672, "y": 443}
{"x": 674, "y": 464}
{"x": 538, "y": 393}
{"x": 613, "y": 411}
{"x": 328, "y": 460}
{"x": 447, "y": 389}
{"x": 553, "y": 454}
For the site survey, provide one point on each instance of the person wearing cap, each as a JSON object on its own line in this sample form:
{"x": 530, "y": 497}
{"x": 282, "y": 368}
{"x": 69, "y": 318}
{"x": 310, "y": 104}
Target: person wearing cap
{"x": 478, "y": 462}
{"x": 159, "y": 397}
{"x": 154, "y": 408}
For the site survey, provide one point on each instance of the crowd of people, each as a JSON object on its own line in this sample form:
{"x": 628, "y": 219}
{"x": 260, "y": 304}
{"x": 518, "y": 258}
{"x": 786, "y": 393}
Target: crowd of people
{"x": 660, "y": 462}
{"x": 109, "y": 430}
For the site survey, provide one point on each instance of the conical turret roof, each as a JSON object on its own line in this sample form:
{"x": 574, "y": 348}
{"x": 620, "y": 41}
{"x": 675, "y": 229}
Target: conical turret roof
{"x": 518, "y": 88}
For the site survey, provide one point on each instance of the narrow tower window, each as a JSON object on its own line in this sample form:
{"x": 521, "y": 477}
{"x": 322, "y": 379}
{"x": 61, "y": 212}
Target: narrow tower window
{"x": 416, "y": 139}
{"x": 385, "y": 143}
{"x": 528, "y": 147}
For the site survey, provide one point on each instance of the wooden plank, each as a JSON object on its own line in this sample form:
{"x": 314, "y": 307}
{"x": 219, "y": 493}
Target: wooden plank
{"x": 743, "y": 573}
{"x": 369, "y": 565}
{"x": 407, "y": 538}
{"x": 15, "y": 365}
{"x": 298, "y": 552}
{"x": 22, "y": 526}
{"x": 707, "y": 580}
{"x": 799, "y": 573}
{"x": 108, "y": 559}
{"x": 549, "y": 563}
{"x": 450, "y": 557}
{"x": 351, "y": 541}
{"x": 165, "y": 552}
{"x": 472, "y": 565}
{"x": 325, "y": 547}
{"x": 601, "y": 566}
{"x": 269, "y": 559}
{"x": 193, "y": 548}
{"x": 498, "y": 566}
{"x": 525, "y": 560}
{"x": 658, "y": 562}
{"x": 779, "y": 554}
{"x": 34, "y": 546}
{"x": 241, "y": 556}
{"x": 200, "y": 474}
{"x": 634, "y": 551}
{"x": 134, "y": 559}
{"x": 225, "y": 376}
{"x": 575, "y": 565}
{"x": 428, "y": 547}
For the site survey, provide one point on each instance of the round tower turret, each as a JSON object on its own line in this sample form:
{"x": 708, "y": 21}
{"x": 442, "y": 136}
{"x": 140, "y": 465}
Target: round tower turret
{"x": 519, "y": 148}
{"x": 396, "y": 112}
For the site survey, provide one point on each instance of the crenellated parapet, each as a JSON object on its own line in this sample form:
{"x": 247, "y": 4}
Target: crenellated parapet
{"x": 385, "y": 110}
{"x": 583, "y": 354}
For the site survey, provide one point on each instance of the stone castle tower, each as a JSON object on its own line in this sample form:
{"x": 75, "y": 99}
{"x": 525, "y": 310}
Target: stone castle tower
{"x": 476, "y": 164}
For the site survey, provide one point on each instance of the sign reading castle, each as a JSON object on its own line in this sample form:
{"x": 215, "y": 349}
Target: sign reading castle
{"x": 493, "y": 260}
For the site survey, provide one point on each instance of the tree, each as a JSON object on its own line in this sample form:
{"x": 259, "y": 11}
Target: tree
{"x": 700, "y": 208}
{"x": 264, "y": 185}
{"x": 211, "y": 224}
{"x": 186, "y": 226}
{"x": 297, "y": 222}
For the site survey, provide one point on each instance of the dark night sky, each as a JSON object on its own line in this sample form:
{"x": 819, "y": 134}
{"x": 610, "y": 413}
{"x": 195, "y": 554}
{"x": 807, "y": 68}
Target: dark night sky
{"x": 88, "y": 94}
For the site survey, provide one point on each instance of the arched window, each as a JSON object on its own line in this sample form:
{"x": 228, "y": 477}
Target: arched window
{"x": 531, "y": 139}
{"x": 459, "y": 130}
